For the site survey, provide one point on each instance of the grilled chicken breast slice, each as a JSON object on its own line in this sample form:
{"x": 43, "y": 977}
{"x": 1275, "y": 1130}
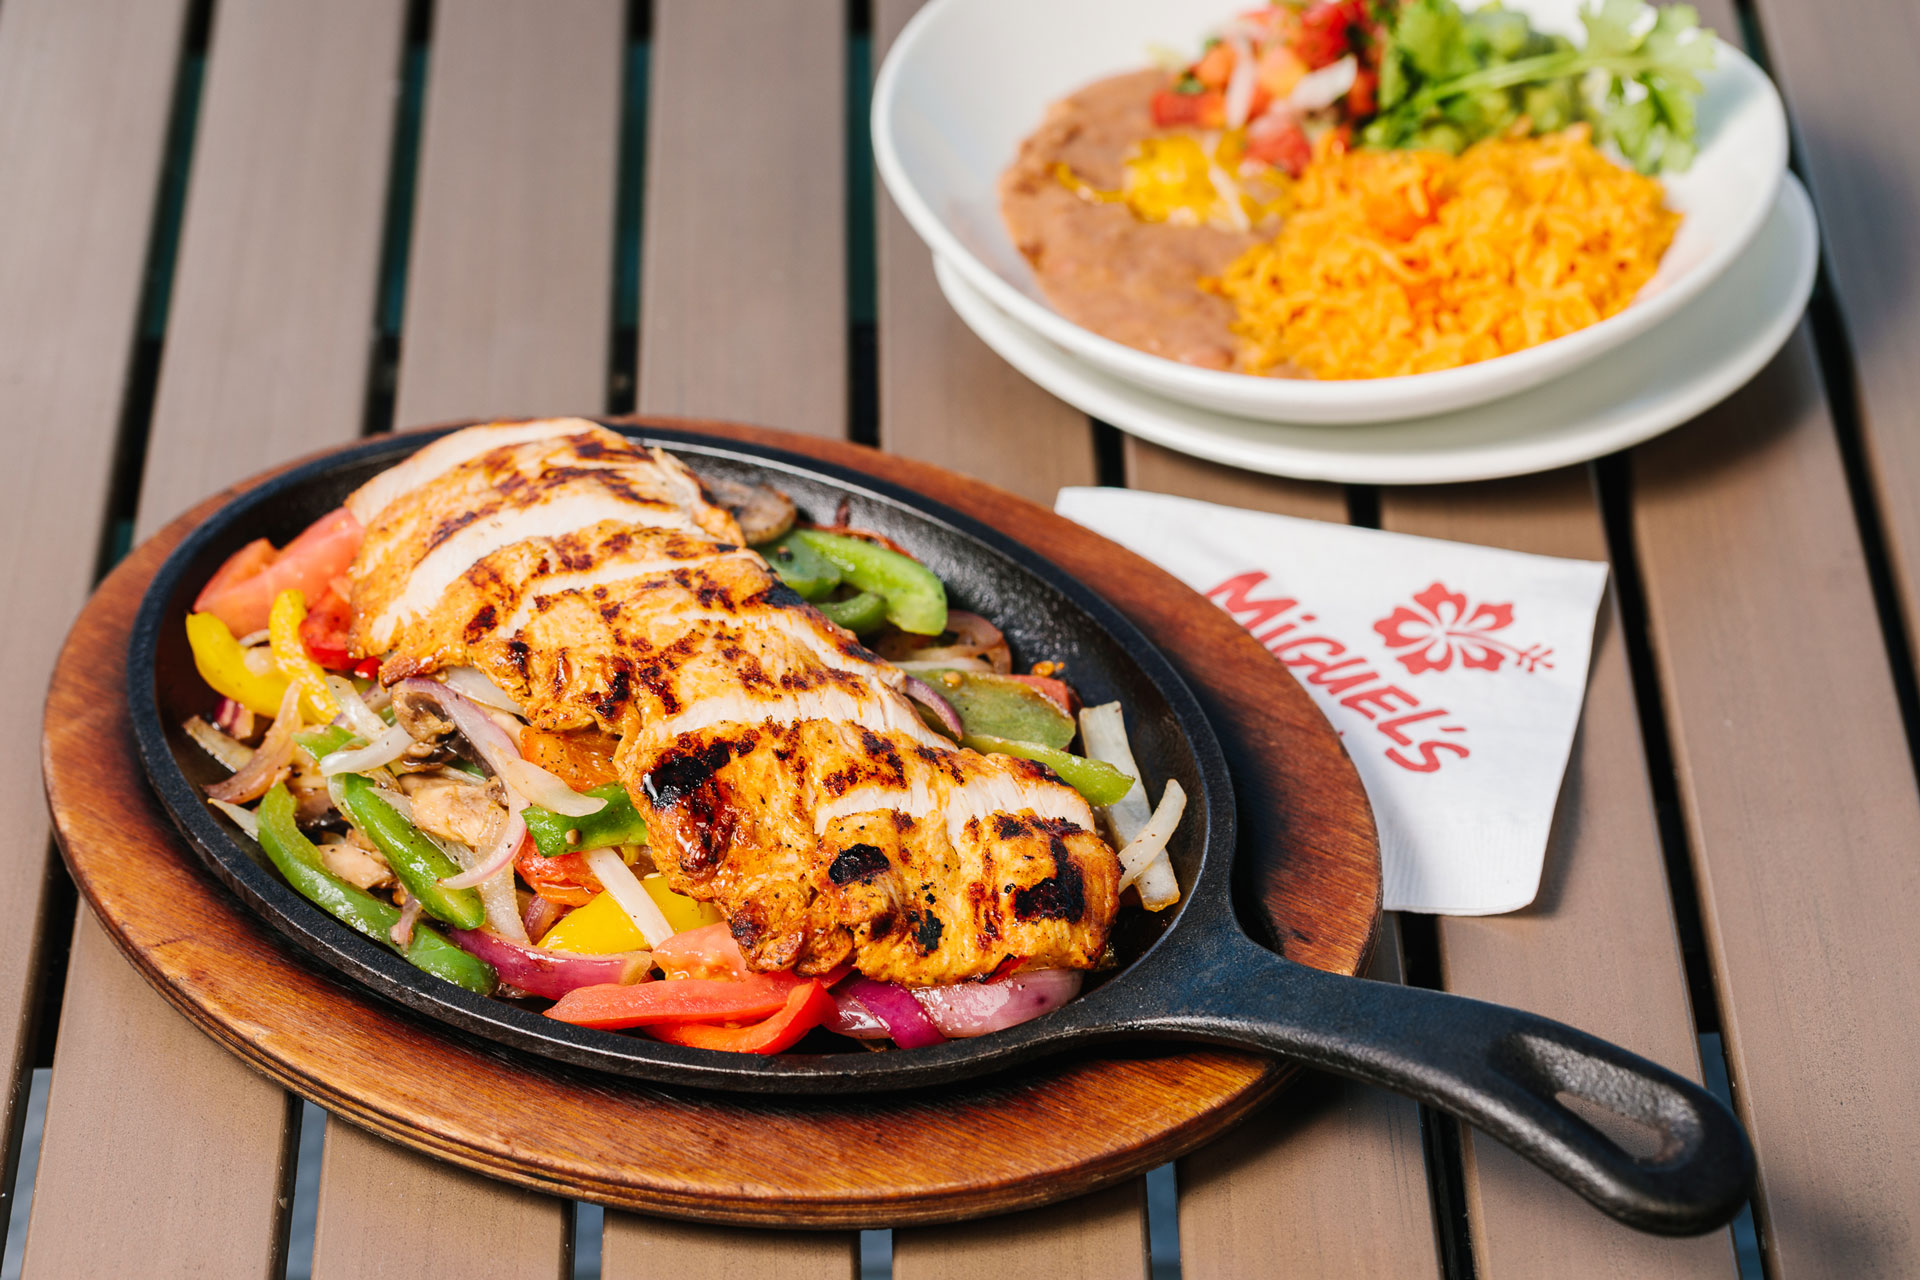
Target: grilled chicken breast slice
{"x": 783, "y": 773}
{"x": 943, "y": 865}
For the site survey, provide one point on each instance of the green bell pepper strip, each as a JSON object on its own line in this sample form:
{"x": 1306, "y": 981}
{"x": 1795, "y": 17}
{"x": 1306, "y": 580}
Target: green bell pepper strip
{"x": 808, "y": 572}
{"x": 859, "y": 614}
{"x": 615, "y": 823}
{"x": 299, "y": 862}
{"x": 996, "y": 706}
{"x": 916, "y": 599}
{"x": 416, "y": 861}
{"x": 323, "y": 741}
{"x": 1096, "y": 780}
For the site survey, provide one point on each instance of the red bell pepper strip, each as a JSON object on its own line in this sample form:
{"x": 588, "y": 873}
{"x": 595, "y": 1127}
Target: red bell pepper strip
{"x": 613, "y": 1007}
{"x": 806, "y": 1007}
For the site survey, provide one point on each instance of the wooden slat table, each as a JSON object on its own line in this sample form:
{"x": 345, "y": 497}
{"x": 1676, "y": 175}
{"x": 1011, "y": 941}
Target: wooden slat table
{"x": 236, "y": 230}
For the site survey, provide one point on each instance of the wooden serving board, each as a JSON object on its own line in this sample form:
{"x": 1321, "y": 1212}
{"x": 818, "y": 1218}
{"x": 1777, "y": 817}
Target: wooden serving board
{"x": 1309, "y": 871}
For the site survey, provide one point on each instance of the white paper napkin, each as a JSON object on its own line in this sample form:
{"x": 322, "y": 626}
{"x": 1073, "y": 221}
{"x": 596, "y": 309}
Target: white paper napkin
{"x": 1454, "y": 673}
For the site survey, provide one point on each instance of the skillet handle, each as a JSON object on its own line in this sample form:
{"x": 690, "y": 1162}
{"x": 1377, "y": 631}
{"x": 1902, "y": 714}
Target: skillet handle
{"x": 1500, "y": 1069}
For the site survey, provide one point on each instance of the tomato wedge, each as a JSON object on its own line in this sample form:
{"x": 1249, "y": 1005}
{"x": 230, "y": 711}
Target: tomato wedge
{"x": 567, "y": 880}
{"x": 706, "y": 952}
{"x": 325, "y": 631}
{"x": 612, "y": 1007}
{"x": 806, "y": 1007}
{"x": 241, "y": 593}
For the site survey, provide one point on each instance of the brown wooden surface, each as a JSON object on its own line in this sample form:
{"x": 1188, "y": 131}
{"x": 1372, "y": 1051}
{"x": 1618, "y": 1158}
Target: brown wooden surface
{"x": 1799, "y": 795}
{"x": 1597, "y": 948}
{"x": 509, "y": 283}
{"x": 637, "y": 1248}
{"x": 1097, "y": 1237}
{"x": 1834, "y": 62}
{"x": 267, "y": 330}
{"x": 387, "y": 1211}
{"x": 702, "y": 1156}
{"x": 743, "y": 310}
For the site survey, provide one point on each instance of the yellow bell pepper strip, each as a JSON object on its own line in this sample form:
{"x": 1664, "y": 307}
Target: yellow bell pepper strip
{"x": 600, "y": 928}
{"x": 283, "y": 637}
{"x": 615, "y": 822}
{"x": 1096, "y": 780}
{"x": 416, "y": 861}
{"x": 294, "y": 856}
{"x": 915, "y": 597}
{"x": 682, "y": 912}
{"x": 221, "y": 663}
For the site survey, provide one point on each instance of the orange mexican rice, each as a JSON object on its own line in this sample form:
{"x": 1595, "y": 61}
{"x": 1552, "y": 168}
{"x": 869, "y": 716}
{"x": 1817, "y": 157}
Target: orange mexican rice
{"x": 1398, "y": 262}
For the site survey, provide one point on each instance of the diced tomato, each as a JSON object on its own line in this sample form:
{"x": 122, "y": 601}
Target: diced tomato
{"x": 567, "y": 879}
{"x": 706, "y": 952}
{"x": 325, "y": 631}
{"x": 1205, "y": 110}
{"x": 1056, "y": 691}
{"x": 1215, "y": 67}
{"x": 1282, "y": 144}
{"x": 616, "y": 1006}
{"x": 1361, "y": 99}
{"x": 1325, "y": 34}
{"x": 368, "y": 668}
{"x": 806, "y": 1007}
{"x": 242, "y": 592}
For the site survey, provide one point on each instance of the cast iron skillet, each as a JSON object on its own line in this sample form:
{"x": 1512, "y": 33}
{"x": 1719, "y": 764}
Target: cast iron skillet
{"x": 1200, "y": 978}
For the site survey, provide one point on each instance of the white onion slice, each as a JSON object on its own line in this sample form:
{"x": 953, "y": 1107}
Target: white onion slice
{"x": 1103, "y": 732}
{"x": 618, "y": 879}
{"x": 960, "y": 662}
{"x": 1320, "y": 89}
{"x": 537, "y": 786}
{"x": 474, "y": 683}
{"x": 1240, "y": 81}
{"x": 1144, "y": 860}
{"x": 389, "y": 745}
{"x": 227, "y": 750}
{"x": 355, "y": 714}
{"x": 245, "y": 819}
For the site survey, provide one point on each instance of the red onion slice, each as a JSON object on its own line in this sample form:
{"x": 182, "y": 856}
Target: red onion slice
{"x": 401, "y": 935}
{"x": 929, "y": 697}
{"x": 550, "y": 974}
{"x": 852, "y": 1019}
{"x": 895, "y": 1006}
{"x": 274, "y": 753}
{"x": 968, "y": 1009}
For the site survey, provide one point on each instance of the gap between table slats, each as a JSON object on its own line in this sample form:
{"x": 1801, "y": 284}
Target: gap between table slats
{"x": 508, "y": 287}
{"x": 1800, "y": 808}
{"x": 743, "y": 314}
{"x": 1331, "y": 1178}
{"x": 743, "y": 309}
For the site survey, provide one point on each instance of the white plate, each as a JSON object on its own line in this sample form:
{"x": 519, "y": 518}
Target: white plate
{"x": 968, "y": 79}
{"x": 1699, "y": 357}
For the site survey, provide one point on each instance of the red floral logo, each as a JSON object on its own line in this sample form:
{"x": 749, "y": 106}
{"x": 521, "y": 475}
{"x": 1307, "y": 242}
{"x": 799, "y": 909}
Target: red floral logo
{"x": 1446, "y": 625}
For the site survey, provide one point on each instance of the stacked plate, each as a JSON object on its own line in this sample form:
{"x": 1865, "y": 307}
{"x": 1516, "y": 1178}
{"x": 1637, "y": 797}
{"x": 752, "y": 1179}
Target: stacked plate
{"x": 968, "y": 79}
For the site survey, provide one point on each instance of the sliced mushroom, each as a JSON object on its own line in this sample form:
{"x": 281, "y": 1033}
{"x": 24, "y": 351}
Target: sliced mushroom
{"x": 764, "y": 514}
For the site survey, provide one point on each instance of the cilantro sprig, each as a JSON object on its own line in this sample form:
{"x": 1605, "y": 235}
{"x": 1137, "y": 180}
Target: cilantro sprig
{"x": 1450, "y": 78}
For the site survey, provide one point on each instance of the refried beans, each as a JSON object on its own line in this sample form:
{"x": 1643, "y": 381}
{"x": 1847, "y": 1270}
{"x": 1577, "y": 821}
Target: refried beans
{"x": 1102, "y": 268}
